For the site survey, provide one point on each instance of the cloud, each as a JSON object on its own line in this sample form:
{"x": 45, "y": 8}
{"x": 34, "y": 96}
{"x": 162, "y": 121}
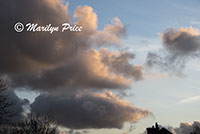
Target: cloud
{"x": 16, "y": 108}
{"x": 65, "y": 60}
{"x": 111, "y": 34}
{"x": 119, "y": 64}
{"x": 178, "y": 47}
{"x": 181, "y": 42}
{"x": 88, "y": 69}
{"x": 88, "y": 110}
{"x": 77, "y": 132}
{"x": 190, "y": 99}
{"x": 25, "y": 52}
{"x": 185, "y": 128}
{"x": 87, "y": 18}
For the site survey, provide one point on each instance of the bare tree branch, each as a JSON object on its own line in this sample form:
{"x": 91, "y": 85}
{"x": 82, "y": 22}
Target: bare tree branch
{"x": 5, "y": 112}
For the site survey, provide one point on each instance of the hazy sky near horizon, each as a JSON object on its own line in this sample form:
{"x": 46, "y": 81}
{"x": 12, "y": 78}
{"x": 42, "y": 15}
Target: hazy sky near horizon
{"x": 170, "y": 97}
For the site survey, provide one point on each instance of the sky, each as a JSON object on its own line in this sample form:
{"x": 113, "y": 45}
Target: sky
{"x": 134, "y": 64}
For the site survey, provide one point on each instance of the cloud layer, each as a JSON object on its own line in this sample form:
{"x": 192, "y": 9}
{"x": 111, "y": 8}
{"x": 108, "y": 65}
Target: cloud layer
{"x": 89, "y": 69}
{"x": 88, "y": 110}
{"x": 59, "y": 64}
{"x": 67, "y": 60}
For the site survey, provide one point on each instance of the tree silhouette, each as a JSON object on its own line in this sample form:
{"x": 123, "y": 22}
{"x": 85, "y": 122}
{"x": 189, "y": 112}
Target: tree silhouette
{"x": 196, "y": 130}
{"x": 5, "y": 113}
{"x": 36, "y": 125}
{"x": 32, "y": 125}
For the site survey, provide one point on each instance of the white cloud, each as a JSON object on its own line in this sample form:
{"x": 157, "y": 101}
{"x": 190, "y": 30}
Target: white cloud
{"x": 190, "y": 99}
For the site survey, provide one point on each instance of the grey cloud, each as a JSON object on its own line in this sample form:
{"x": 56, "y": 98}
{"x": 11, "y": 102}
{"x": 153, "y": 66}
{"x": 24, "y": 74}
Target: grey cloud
{"x": 61, "y": 60}
{"x": 182, "y": 42}
{"x": 85, "y": 70}
{"x": 92, "y": 66}
{"x": 68, "y": 61}
{"x": 88, "y": 110}
{"x": 29, "y": 51}
{"x": 119, "y": 63}
{"x": 184, "y": 128}
{"x": 78, "y": 132}
{"x": 179, "y": 46}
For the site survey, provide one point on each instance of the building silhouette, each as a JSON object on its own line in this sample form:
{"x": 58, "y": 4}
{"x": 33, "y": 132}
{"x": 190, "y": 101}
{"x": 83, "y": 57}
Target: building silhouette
{"x": 156, "y": 130}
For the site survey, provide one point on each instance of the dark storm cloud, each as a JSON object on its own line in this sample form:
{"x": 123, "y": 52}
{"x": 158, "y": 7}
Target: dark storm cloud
{"x": 88, "y": 110}
{"x": 43, "y": 60}
{"x": 179, "y": 46}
